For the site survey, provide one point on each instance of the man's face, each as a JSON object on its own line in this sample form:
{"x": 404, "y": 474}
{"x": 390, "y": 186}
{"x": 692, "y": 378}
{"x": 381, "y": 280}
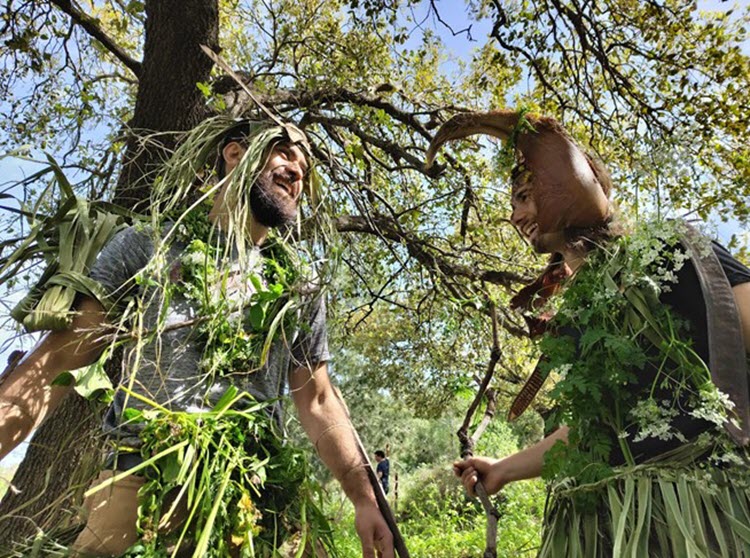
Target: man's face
{"x": 378, "y": 458}
{"x": 525, "y": 217}
{"x": 276, "y": 192}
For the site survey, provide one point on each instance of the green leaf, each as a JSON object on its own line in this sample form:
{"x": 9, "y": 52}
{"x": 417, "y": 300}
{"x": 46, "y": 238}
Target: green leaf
{"x": 226, "y": 399}
{"x": 89, "y": 381}
{"x": 257, "y": 316}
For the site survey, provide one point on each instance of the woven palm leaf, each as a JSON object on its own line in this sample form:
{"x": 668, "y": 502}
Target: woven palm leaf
{"x": 655, "y": 511}
{"x": 68, "y": 240}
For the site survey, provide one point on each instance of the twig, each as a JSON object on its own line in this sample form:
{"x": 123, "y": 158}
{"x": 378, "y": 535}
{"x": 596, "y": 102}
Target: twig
{"x": 219, "y": 61}
{"x": 396, "y": 152}
{"x": 419, "y": 249}
{"x": 466, "y": 30}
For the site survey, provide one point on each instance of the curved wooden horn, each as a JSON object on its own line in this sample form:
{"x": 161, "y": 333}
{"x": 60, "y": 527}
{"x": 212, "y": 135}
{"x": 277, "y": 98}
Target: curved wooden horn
{"x": 566, "y": 190}
{"x": 497, "y": 123}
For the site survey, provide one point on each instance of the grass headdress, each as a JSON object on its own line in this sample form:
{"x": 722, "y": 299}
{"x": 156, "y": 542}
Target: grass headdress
{"x": 194, "y": 174}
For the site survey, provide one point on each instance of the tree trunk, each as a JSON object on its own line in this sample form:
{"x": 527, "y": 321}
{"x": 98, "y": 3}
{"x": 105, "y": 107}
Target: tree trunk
{"x": 168, "y": 99}
{"x": 58, "y": 467}
{"x": 54, "y": 472}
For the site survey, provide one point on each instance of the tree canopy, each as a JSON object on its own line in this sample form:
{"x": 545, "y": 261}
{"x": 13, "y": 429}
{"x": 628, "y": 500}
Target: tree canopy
{"x": 655, "y": 89}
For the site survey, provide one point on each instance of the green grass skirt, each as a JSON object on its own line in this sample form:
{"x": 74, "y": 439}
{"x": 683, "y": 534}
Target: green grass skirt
{"x": 651, "y": 510}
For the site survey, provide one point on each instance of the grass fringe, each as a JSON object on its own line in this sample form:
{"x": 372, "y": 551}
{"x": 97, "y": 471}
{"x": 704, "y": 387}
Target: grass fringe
{"x": 655, "y": 511}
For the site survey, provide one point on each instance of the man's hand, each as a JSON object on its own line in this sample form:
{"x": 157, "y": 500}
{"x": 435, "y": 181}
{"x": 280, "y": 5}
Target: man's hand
{"x": 489, "y": 471}
{"x": 373, "y": 531}
{"x": 325, "y": 419}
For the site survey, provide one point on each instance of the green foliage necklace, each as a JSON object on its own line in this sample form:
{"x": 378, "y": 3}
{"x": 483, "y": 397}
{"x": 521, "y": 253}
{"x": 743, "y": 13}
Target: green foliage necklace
{"x": 625, "y": 362}
{"x": 242, "y": 308}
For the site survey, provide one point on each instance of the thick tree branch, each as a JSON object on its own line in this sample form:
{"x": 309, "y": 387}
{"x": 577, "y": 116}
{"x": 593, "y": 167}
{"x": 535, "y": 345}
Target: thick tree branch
{"x": 419, "y": 249}
{"x": 91, "y": 26}
{"x": 396, "y": 152}
{"x": 323, "y": 97}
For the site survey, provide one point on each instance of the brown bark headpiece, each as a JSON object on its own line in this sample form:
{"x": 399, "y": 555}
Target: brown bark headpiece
{"x": 569, "y": 188}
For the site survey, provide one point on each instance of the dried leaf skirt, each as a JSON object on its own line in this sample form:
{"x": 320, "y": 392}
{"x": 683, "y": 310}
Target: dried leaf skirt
{"x": 655, "y": 511}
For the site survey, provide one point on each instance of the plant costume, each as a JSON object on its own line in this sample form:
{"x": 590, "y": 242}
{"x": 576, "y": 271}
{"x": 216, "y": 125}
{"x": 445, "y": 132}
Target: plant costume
{"x": 655, "y": 462}
{"x": 650, "y": 467}
{"x": 210, "y": 325}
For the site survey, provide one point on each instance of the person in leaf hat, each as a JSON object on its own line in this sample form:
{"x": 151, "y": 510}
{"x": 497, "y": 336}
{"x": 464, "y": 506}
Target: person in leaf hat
{"x": 648, "y": 342}
{"x": 215, "y": 308}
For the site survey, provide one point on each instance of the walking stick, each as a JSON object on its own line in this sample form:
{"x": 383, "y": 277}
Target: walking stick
{"x": 385, "y": 508}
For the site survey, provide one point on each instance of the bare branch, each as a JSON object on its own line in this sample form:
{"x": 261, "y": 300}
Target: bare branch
{"x": 489, "y": 414}
{"x": 419, "y": 249}
{"x": 91, "y": 26}
{"x": 467, "y": 442}
{"x": 467, "y": 30}
{"x": 389, "y": 147}
{"x": 324, "y": 97}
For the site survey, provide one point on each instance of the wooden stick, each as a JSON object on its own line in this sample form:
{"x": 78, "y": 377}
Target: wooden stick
{"x": 468, "y": 442}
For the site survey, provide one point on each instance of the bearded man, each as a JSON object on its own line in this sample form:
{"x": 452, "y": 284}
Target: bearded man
{"x": 648, "y": 344}
{"x": 210, "y": 309}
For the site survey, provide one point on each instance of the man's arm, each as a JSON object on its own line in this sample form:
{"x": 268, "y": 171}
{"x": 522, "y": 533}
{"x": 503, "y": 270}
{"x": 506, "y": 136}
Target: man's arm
{"x": 26, "y": 396}
{"x": 327, "y": 423}
{"x": 496, "y": 473}
{"x": 742, "y": 298}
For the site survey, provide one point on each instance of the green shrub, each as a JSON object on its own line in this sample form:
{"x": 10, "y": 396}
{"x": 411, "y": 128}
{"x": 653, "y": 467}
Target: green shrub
{"x": 433, "y": 493}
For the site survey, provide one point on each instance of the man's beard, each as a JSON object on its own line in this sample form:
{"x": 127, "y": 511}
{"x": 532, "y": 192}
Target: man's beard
{"x": 270, "y": 204}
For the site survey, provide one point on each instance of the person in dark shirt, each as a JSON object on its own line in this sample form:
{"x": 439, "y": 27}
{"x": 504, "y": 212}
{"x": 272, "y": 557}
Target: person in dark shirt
{"x": 383, "y": 469}
{"x": 649, "y": 456}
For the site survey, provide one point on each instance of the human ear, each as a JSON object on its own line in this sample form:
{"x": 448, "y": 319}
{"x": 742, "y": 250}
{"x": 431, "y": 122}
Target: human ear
{"x": 232, "y": 154}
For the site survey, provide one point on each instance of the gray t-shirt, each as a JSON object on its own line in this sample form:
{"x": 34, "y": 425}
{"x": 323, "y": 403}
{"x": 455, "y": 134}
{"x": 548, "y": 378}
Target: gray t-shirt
{"x": 167, "y": 369}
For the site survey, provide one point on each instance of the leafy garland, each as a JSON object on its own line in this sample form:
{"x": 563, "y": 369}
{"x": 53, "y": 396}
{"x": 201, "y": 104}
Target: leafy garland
{"x": 228, "y": 482}
{"x": 611, "y": 331}
{"x": 238, "y": 331}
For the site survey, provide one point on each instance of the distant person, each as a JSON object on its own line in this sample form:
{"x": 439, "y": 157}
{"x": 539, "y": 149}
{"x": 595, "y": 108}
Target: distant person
{"x": 383, "y": 469}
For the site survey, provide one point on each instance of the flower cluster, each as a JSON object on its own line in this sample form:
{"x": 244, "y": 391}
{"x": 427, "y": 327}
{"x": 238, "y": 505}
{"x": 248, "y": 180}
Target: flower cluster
{"x": 654, "y": 420}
